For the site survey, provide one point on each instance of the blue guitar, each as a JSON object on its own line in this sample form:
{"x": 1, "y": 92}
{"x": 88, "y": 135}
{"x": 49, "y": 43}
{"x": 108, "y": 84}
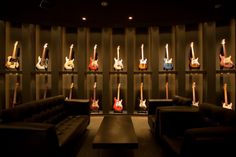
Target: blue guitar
{"x": 167, "y": 62}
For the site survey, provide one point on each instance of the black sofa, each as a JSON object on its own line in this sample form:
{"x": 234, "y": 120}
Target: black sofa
{"x": 210, "y": 131}
{"x": 43, "y": 128}
{"x": 154, "y": 105}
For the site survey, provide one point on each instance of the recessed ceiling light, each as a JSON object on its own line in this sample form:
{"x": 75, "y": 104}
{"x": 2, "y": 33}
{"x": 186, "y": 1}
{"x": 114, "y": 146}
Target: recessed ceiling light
{"x": 130, "y": 17}
{"x": 104, "y": 3}
{"x": 84, "y": 18}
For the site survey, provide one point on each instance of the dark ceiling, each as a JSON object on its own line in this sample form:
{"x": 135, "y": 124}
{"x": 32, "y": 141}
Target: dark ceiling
{"x": 116, "y": 12}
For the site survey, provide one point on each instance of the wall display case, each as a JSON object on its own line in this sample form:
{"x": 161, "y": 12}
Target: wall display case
{"x": 191, "y": 51}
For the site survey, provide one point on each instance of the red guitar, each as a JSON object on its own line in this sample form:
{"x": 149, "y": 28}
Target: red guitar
{"x": 93, "y": 64}
{"x": 225, "y": 62}
{"x": 118, "y": 107}
{"x": 13, "y": 61}
{"x": 94, "y": 106}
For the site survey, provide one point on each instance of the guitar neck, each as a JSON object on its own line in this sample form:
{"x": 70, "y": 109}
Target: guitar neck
{"x": 167, "y": 92}
{"x": 142, "y": 52}
{"x": 15, "y": 94}
{"x": 118, "y": 52}
{"x": 141, "y": 91}
{"x": 94, "y": 93}
{"x": 118, "y": 92}
{"x": 192, "y": 50}
{"x": 167, "y": 53}
{"x": 225, "y": 94}
{"x": 194, "y": 97}
{"x": 14, "y": 50}
{"x": 70, "y": 53}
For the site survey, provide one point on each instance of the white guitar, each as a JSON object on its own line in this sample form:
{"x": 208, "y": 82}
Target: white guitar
{"x": 194, "y": 64}
{"x": 94, "y": 106}
{"x": 142, "y": 103}
{"x": 142, "y": 61}
{"x": 226, "y": 104}
{"x": 118, "y": 65}
{"x": 167, "y": 61}
{"x": 69, "y": 64}
{"x": 194, "y": 103}
{"x": 42, "y": 63}
{"x": 13, "y": 61}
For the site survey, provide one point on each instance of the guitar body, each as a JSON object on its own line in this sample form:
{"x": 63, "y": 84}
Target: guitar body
{"x": 142, "y": 64}
{"x": 118, "y": 107}
{"x": 12, "y": 63}
{"x": 226, "y": 62}
{"x": 195, "y": 103}
{"x": 168, "y": 64}
{"x": 42, "y": 65}
{"x": 142, "y": 104}
{"x": 118, "y": 65}
{"x": 93, "y": 64}
{"x": 69, "y": 64}
{"x": 194, "y": 64}
{"x": 227, "y": 106}
{"x": 94, "y": 106}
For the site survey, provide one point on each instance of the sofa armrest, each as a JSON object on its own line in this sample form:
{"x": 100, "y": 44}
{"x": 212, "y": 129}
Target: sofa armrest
{"x": 28, "y": 139}
{"x": 78, "y": 106}
{"x": 173, "y": 121}
{"x": 210, "y": 141}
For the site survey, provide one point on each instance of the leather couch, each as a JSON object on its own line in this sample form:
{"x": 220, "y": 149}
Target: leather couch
{"x": 43, "y": 128}
{"x": 154, "y": 105}
{"x": 209, "y": 130}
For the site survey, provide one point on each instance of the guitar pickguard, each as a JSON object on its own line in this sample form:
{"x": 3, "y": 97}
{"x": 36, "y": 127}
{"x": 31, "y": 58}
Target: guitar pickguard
{"x": 69, "y": 64}
{"x": 42, "y": 65}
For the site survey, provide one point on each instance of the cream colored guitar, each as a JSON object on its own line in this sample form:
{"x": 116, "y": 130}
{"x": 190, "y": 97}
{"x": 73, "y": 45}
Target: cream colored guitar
{"x": 69, "y": 64}
{"x": 194, "y": 103}
{"x": 42, "y": 63}
{"x": 13, "y": 61}
{"x": 226, "y": 104}
{"x": 118, "y": 65}
{"x": 142, "y": 103}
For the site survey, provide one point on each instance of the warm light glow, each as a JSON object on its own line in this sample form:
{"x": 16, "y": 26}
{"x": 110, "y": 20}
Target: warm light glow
{"x": 104, "y": 3}
{"x": 84, "y": 18}
{"x": 130, "y": 18}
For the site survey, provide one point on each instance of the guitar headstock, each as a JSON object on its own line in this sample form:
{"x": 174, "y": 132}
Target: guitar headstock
{"x": 223, "y": 41}
{"x": 193, "y": 85}
{"x": 95, "y": 85}
{"x": 71, "y": 46}
{"x": 118, "y": 48}
{"x": 16, "y": 43}
{"x": 191, "y": 44}
{"x": 225, "y": 86}
{"x": 141, "y": 84}
{"x": 95, "y": 47}
{"x": 142, "y": 46}
{"x": 72, "y": 85}
{"x": 45, "y": 45}
{"x": 166, "y": 46}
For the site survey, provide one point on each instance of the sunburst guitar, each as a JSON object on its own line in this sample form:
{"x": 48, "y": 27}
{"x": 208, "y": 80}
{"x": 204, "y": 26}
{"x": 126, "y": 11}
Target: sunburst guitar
{"x": 142, "y": 61}
{"x": 193, "y": 62}
{"x": 94, "y": 106}
{"x": 13, "y": 61}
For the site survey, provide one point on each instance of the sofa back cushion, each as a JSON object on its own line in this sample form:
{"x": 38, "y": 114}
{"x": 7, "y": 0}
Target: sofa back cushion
{"x": 49, "y": 110}
{"x": 181, "y": 101}
{"x": 213, "y": 115}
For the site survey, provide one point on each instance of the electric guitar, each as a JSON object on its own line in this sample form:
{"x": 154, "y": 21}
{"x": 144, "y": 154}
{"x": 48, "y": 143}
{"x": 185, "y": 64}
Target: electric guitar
{"x": 194, "y": 103}
{"x": 94, "y": 106}
{"x": 142, "y": 61}
{"x": 226, "y": 104}
{"x": 14, "y": 102}
{"x": 167, "y": 90}
{"x": 118, "y": 65}
{"x": 118, "y": 107}
{"x": 42, "y": 63}
{"x": 142, "y": 103}
{"x": 225, "y": 62}
{"x": 13, "y": 61}
{"x": 93, "y": 64}
{"x": 193, "y": 64}
{"x": 45, "y": 91}
{"x": 69, "y": 64}
{"x": 167, "y": 61}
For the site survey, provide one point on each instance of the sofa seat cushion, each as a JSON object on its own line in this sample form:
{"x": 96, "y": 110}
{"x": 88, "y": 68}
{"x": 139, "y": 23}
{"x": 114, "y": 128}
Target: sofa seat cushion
{"x": 151, "y": 121}
{"x": 69, "y": 128}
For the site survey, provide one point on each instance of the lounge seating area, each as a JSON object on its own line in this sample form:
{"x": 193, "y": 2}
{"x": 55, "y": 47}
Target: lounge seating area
{"x": 188, "y": 131}
{"x": 43, "y": 128}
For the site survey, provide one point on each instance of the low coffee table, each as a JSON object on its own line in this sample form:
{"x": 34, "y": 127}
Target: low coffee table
{"x": 116, "y": 132}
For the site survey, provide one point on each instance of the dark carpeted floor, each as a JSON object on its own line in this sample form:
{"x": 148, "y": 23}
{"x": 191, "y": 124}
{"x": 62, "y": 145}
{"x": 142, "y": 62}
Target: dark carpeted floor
{"x": 148, "y": 146}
